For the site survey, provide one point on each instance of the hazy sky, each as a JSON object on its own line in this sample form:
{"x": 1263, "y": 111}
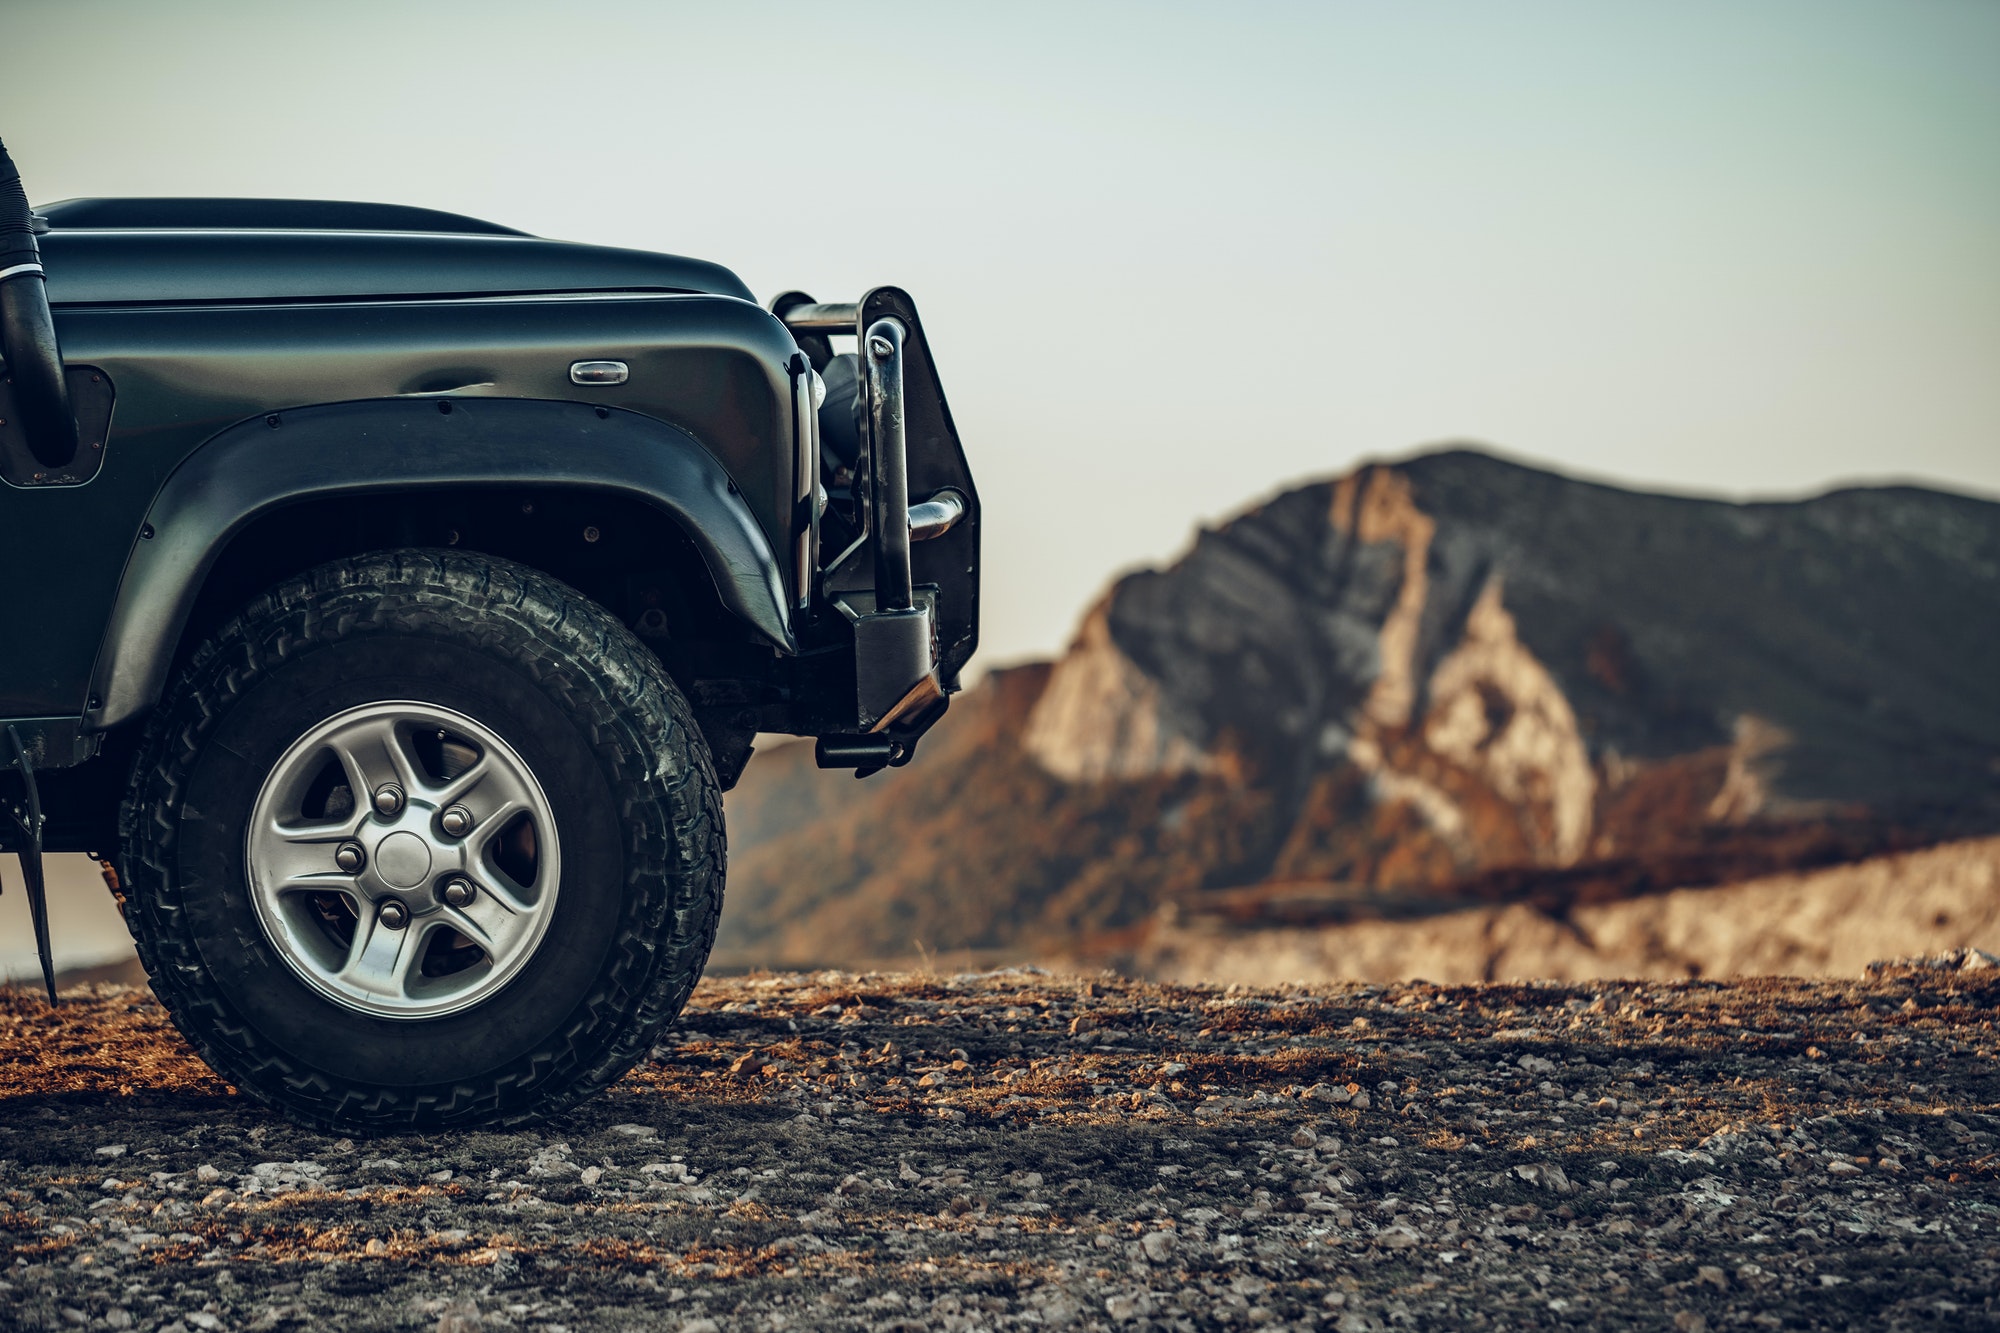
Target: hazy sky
{"x": 1171, "y": 257}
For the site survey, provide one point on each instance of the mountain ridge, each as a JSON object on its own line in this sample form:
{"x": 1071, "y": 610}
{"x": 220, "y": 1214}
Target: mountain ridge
{"x": 1452, "y": 678}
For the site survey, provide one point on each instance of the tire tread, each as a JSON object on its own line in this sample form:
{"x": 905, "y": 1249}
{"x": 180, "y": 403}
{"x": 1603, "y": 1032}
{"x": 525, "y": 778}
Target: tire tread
{"x": 633, "y": 717}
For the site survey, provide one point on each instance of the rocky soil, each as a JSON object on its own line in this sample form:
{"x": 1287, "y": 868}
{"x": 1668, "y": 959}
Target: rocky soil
{"x": 1019, "y": 1149}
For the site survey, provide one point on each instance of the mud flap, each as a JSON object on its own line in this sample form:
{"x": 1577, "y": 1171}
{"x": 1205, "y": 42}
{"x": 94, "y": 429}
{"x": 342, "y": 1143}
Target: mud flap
{"x": 30, "y": 853}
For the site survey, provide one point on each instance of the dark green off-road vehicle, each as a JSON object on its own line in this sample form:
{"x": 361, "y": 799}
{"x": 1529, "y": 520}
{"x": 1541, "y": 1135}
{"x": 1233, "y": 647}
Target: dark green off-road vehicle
{"x": 391, "y": 597}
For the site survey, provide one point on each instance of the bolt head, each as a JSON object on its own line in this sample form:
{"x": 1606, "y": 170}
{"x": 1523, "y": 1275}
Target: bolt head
{"x": 457, "y": 821}
{"x": 388, "y": 799}
{"x": 349, "y": 857}
{"x": 881, "y": 348}
{"x": 458, "y": 892}
{"x": 394, "y": 915}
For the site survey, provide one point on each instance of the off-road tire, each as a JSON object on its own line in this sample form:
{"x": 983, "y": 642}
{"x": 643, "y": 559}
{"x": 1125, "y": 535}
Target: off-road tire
{"x": 635, "y": 798}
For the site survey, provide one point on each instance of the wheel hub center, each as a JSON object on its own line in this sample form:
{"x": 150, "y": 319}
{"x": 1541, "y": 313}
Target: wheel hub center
{"x": 403, "y": 860}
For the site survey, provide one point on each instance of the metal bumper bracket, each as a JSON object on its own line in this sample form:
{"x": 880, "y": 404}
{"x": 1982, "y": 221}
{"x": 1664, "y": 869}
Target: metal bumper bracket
{"x": 29, "y": 821}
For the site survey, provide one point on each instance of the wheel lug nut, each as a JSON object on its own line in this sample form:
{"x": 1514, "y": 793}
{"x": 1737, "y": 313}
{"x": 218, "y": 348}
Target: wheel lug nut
{"x": 458, "y": 891}
{"x": 394, "y": 915}
{"x": 457, "y": 821}
{"x": 349, "y": 857}
{"x": 388, "y": 799}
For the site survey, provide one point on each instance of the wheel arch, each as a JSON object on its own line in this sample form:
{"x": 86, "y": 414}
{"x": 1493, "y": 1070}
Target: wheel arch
{"x": 310, "y": 483}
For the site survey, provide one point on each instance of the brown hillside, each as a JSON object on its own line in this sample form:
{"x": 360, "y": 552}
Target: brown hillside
{"x": 1421, "y": 686}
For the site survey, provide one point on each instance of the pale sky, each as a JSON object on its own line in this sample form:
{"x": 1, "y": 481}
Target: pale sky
{"x": 1171, "y": 257}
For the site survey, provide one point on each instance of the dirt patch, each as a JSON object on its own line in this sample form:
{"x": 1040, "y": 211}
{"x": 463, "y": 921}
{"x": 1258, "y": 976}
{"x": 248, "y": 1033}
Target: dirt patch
{"x": 1019, "y": 1149}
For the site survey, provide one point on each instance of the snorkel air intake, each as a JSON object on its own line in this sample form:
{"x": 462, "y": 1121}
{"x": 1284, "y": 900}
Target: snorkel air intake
{"x": 27, "y": 332}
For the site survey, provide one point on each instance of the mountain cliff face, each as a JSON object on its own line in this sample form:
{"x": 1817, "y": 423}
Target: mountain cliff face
{"x": 1447, "y": 680}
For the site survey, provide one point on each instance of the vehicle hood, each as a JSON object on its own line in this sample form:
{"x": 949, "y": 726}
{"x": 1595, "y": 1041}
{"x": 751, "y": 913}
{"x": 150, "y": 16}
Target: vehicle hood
{"x": 126, "y": 266}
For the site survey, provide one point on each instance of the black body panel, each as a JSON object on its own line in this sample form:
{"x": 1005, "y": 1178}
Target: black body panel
{"x": 265, "y": 214}
{"x": 712, "y": 366}
{"x": 321, "y": 390}
{"x": 402, "y": 445}
{"x": 115, "y": 267}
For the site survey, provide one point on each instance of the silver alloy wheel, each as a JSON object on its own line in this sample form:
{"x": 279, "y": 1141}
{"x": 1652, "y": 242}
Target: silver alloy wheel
{"x": 381, "y": 938}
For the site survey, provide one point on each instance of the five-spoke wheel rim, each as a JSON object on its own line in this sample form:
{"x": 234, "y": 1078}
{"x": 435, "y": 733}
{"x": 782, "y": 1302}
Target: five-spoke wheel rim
{"x": 403, "y": 860}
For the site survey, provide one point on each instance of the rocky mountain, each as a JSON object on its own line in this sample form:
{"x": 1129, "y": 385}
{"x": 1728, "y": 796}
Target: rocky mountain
{"x": 1443, "y": 681}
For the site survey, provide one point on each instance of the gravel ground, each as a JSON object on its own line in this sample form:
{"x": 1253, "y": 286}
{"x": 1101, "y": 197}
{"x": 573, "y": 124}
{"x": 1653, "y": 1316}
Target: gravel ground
{"x": 1019, "y": 1149}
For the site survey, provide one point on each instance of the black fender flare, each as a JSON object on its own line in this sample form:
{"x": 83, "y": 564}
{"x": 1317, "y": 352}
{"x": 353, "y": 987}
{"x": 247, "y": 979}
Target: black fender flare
{"x": 405, "y": 444}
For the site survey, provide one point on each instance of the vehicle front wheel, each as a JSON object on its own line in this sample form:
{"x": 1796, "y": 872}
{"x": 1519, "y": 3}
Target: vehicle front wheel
{"x": 422, "y": 839}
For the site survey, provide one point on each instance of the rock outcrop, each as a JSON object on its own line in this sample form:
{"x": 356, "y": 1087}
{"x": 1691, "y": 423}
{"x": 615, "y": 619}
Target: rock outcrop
{"x": 1451, "y": 680}
{"x": 1834, "y": 921}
